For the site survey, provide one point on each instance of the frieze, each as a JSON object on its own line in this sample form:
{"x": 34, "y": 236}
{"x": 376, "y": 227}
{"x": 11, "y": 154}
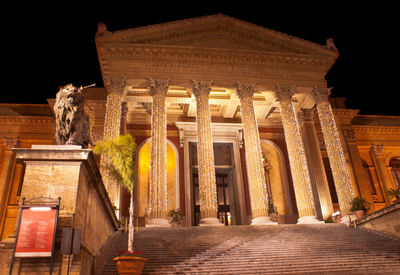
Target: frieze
{"x": 212, "y": 56}
{"x": 220, "y": 69}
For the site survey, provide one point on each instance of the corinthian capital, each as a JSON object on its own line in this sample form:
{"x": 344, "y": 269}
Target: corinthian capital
{"x": 377, "y": 150}
{"x": 320, "y": 94}
{"x": 307, "y": 114}
{"x": 116, "y": 85}
{"x": 11, "y": 143}
{"x": 158, "y": 86}
{"x": 201, "y": 87}
{"x": 244, "y": 90}
{"x": 284, "y": 93}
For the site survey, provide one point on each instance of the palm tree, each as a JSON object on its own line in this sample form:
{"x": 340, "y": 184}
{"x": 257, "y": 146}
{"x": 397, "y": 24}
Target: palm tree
{"x": 118, "y": 153}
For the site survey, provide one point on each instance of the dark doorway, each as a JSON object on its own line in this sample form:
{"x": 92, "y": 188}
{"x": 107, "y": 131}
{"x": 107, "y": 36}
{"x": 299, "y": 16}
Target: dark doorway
{"x": 223, "y": 198}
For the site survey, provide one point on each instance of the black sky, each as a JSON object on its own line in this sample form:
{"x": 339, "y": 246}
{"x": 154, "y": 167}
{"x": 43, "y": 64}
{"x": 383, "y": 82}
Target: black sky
{"x": 45, "y": 46}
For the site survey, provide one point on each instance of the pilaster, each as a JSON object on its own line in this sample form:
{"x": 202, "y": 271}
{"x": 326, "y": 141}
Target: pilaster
{"x": 383, "y": 174}
{"x": 6, "y": 173}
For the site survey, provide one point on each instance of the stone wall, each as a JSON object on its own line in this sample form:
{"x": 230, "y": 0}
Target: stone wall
{"x": 73, "y": 175}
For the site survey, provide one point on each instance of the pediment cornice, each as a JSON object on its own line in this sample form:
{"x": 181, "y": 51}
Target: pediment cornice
{"x": 216, "y": 31}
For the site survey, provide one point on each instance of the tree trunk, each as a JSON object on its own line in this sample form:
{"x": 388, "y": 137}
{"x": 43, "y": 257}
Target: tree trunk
{"x": 131, "y": 229}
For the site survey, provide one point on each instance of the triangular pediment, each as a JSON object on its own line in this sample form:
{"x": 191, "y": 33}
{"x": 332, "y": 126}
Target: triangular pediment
{"x": 216, "y": 31}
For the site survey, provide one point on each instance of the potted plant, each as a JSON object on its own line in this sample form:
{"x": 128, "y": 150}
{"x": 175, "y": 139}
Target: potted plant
{"x": 359, "y": 206}
{"x": 118, "y": 153}
{"x": 130, "y": 262}
{"x": 394, "y": 194}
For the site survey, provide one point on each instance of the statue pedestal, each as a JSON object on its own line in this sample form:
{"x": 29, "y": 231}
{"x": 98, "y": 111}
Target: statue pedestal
{"x": 66, "y": 171}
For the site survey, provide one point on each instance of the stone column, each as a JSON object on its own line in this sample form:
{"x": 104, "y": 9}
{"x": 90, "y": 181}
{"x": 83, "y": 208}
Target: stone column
{"x": 6, "y": 172}
{"x": 315, "y": 157}
{"x": 205, "y": 155}
{"x": 297, "y": 158}
{"x": 383, "y": 174}
{"x": 112, "y": 128}
{"x": 337, "y": 160}
{"x": 255, "y": 169}
{"x": 158, "y": 155}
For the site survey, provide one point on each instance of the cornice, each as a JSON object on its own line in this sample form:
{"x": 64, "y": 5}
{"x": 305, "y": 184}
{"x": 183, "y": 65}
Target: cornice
{"x": 26, "y": 119}
{"x": 344, "y": 116}
{"x": 376, "y": 129}
{"x": 219, "y": 24}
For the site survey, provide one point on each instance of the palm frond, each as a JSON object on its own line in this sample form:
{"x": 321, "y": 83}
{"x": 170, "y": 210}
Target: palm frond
{"x": 119, "y": 153}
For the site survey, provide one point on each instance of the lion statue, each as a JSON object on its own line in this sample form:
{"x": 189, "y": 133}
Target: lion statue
{"x": 72, "y": 123}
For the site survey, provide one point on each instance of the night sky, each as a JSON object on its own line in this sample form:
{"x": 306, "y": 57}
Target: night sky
{"x": 45, "y": 47}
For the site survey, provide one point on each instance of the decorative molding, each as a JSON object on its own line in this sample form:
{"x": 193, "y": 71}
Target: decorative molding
{"x": 26, "y": 120}
{"x": 377, "y": 129}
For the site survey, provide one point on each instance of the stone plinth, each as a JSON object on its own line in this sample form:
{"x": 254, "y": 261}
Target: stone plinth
{"x": 72, "y": 174}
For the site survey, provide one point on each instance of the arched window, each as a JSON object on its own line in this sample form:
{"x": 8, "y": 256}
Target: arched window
{"x": 395, "y": 165}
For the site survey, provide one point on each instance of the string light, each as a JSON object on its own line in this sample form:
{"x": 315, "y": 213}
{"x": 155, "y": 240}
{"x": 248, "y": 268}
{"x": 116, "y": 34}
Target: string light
{"x": 337, "y": 160}
{"x": 207, "y": 185}
{"x": 297, "y": 157}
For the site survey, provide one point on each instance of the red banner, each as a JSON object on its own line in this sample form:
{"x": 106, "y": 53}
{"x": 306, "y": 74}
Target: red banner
{"x": 36, "y": 232}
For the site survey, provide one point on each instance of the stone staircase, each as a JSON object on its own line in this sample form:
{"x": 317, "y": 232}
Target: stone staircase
{"x": 279, "y": 249}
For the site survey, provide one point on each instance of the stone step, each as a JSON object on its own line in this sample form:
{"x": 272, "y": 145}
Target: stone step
{"x": 282, "y": 249}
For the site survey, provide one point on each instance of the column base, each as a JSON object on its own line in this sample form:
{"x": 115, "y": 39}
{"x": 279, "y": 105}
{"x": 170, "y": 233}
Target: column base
{"x": 309, "y": 220}
{"x": 158, "y": 223}
{"x": 262, "y": 221}
{"x": 210, "y": 222}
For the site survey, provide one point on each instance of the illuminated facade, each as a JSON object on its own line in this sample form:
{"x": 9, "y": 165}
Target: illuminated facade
{"x": 233, "y": 123}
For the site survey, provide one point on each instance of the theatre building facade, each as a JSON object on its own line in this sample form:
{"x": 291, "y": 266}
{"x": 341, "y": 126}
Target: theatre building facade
{"x": 233, "y": 122}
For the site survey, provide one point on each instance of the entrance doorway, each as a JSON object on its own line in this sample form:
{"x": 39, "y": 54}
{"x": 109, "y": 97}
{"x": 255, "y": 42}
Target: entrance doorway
{"x": 225, "y": 196}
